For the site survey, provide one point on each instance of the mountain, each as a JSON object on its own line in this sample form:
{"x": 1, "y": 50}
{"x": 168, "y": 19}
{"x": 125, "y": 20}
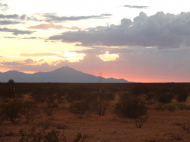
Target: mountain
{"x": 64, "y": 74}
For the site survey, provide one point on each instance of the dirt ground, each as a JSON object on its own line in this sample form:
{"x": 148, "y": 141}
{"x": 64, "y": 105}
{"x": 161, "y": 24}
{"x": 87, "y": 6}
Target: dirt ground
{"x": 162, "y": 126}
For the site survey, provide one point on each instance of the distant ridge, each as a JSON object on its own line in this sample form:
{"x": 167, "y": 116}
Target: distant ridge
{"x": 64, "y": 74}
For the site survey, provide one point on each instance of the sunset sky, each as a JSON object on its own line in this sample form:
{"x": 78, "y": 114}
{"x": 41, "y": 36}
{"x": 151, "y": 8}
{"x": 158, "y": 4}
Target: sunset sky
{"x": 141, "y": 41}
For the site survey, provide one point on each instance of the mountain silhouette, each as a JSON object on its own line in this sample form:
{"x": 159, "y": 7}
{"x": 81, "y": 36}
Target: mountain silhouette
{"x": 64, "y": 74}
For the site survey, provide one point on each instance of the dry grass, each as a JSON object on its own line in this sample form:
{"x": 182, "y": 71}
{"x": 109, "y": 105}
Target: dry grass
{"x": 108, "y": 128}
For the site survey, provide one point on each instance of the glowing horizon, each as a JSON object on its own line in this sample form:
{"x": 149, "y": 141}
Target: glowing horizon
{"x": 135, "y": 40}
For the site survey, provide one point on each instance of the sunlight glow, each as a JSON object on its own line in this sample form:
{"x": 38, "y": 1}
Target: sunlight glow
{"x": 109, "y": 57}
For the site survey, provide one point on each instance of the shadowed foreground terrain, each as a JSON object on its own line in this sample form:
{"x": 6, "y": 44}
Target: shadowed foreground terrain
{"x": 168, "y": 114}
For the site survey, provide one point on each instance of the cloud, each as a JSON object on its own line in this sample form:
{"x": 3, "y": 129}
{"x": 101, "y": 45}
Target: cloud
{"x": 18, "y": 17}
{"x": 53, "y": 26}
{"x": 160, "y": 30}
{"x": 46, "y": 26}
{"x": 37, "y": 54}
{"x": 50, "y": 17}
{"x": 5, "y": 22}
{"x": 3, "y": 7}
{"x": 9, "y": 37}
{"x": 12, "y": 16}
{"x": 135, "y": 6}
{"x": 19, "y": 63}
{"x": 16, "y": 31}
{"x": 29, "y": 38}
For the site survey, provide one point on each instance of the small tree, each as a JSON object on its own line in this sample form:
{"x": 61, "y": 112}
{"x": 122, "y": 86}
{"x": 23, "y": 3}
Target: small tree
{"x": 133, "y": 108}
{"x": 11, "y": 82}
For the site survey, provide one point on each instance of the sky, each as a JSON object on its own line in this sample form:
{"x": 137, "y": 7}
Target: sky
{"x": 140, "y": 41}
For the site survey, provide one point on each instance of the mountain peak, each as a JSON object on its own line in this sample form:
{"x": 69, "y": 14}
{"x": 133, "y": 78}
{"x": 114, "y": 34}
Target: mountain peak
{"x": 63, "y": 74}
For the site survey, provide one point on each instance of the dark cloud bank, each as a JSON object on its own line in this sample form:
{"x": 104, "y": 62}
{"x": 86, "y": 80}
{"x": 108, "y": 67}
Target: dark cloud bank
{"x": 53, "y": 17}
{"x": 16, "y": 31}
{"x": 18, "y": 17}
{"x": 159, "y": 30}
{"x": 5, "y": 22}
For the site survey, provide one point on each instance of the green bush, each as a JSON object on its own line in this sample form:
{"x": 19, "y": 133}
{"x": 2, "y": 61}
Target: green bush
{"x": 169, "y": 107}
{"x": 30, "y": 111}
{"x": 181, "y": 94}
{"x": 108, "y": 96}
{"x": 7, "y": 92}
{"x": 12, "y": 111}
{"x": 133, "y": 108}
{"x": 75, "y": 95}
{"x": 150, "y": 98}
{"x": 15, "y": 110}
{"x": 79, "y": 108}
{"x": 91, "y": 97}
{"x": 51, "y": 108}
{"x": 39, "y": 94}
{"x": 183, "y": 106}
{"x": 164, "y": 98}
{"x": 164, "y": 107}
{"x": 158, "y": 106}
{"x": 41, "y": 136}
{"x": 77, "y": 139}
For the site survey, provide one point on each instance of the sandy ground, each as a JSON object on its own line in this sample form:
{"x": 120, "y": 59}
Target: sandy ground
{"x": 109, "y": 128}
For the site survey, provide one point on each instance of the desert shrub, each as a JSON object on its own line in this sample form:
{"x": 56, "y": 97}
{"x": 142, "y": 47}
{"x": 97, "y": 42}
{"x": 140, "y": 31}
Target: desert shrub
{"x": 164, "y": 98}
{"x": 61, "y": 92}
{"x": 41, "y": 136}
{"x": 91, "y": 97}
{"x": 176, "y": 136}
{"x": 52, "y": 136}
{"x": 169, "y": 107}
{"x": 39, "y": 94}
{"x": 150, "y": 98}
{"x": 133, "y": 108}
{"x": 7, "y": 92}
{"x": 79, "y": 108}
{"x": 45, "y": 124}
{"x": 137, "y": 89}
{"x": 108, "y": 96}
{"x": 60, "y": 126}
{"x": 101, "y": 111}
{"x": 12, "y": 111}
{"x": 164, "y": 107}
{"x": 77, "y": 139}
{"x": 75, "y": 95}
{"x": 51, "y": 108}
{"x": 183, "y": 106}
{"x": 141, "y": 120}
{"x": 30, "y": 111}
{"x": 181, "y": 94}
{"x": 158, "y": 106}
{"x": 2, "y": 115}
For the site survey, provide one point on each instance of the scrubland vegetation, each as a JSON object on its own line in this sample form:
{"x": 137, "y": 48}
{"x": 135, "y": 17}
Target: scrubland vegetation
{"x": 66, "y": 112}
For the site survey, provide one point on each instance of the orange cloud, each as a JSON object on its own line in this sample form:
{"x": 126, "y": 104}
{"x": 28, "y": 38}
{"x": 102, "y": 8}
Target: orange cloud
{"x": 37, "y": 54}
{"x": 46, "y": 26}
{"x": 53, "y": 26}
